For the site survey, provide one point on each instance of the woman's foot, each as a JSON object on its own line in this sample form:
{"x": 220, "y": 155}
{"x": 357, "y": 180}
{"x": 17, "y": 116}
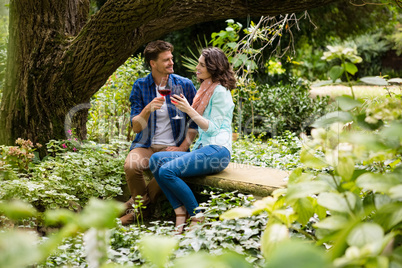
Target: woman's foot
{"x": 196, "y": 220}
{"x": 181, "y": 219}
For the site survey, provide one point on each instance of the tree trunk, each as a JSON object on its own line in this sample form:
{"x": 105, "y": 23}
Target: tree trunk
{"x": 58, "y": 57}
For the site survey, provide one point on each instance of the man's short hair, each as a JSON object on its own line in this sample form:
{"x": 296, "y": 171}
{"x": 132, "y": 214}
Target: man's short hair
{"x": 154, "y": 48}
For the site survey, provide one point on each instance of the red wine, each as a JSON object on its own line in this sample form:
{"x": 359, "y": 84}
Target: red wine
{"x": 164, "y": 92}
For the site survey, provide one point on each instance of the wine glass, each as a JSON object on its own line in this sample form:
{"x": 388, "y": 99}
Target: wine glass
{"x": 164, "y": 88}
{"x": 177, "y": 90}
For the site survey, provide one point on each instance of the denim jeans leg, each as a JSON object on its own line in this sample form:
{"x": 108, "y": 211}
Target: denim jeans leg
{"x": 155, "y": 162}
{"x": 206, "y": 160}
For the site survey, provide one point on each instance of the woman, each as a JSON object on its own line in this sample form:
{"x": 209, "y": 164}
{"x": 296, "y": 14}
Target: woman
{"x": 212, "y": 111}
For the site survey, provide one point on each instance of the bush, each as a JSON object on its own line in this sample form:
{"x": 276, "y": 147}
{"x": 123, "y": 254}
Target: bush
{"x": 280, "y": 108}
{"x": 109, "y": 116}
{"x": 67, "y": 179}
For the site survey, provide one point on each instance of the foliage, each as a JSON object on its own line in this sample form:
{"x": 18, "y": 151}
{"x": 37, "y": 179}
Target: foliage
{"x": 279, "y": 108}
{"x": 3, "y": 49}
{"x": 109, "y": 117}
{"x": 18, "y": 158}
{"x": 396, "y": 38}
{"x": 69, "y": 179}
{"x": 281, "y": 152}
{"x": 22, "y": 248}
{"x": 348, "y": 196}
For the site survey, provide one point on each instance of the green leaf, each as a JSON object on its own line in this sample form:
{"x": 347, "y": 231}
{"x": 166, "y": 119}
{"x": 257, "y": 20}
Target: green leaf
{"x": 273, "y": 234}
{"x": 305, "y": 209}
{"x": 331, "y": 118}
{"x": 17, "y": 210}
{"x": 368, "y": 140}
{"x": 389, "y": 216}
{"x": 345, "y": 167}
{"x": 347, "y": 103}
{"x": 337, "y": 202}
{"x": 333, "y": 223}
{"x": 378, "y": 182}
{"x": 312, "y": 161}
{"x": 100, "y": 214}
{"x": 350, "y": 68}
{"x": 335, "y": 72}
{"x": 305, "y": 189}
{"x": 364, "y": 234}
{"x": 396, "y": 192}
{"x": 297, "y": 254}
{"x": 158, "y": 249}
{"x": 18, "y": 249}
{"x": 374, "y": 80}
{"x": 361, "y": 121}
{"x": 235, "y": 213}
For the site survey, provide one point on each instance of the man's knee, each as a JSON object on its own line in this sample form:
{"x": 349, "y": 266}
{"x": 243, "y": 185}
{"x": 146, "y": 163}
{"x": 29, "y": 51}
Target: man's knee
{"x": 135, "y": 163}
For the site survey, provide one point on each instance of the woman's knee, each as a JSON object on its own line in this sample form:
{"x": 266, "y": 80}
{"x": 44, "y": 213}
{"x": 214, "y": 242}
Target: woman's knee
{"x": 166, "y": 172}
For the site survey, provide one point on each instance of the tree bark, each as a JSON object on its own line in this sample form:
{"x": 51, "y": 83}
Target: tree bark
{"x": 58, "y": 57}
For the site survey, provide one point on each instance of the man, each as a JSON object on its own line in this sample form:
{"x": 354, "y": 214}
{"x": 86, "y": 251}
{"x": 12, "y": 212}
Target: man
{"x": 151, "y": 119}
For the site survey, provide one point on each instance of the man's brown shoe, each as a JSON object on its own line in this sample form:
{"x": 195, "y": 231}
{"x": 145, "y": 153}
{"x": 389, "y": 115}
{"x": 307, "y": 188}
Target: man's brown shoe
{"x": 129, "y": 218}
{"x": 128, "y": 206}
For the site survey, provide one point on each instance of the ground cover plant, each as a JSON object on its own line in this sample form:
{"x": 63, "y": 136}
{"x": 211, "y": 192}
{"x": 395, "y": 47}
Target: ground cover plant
{"x": 74, "y": 172}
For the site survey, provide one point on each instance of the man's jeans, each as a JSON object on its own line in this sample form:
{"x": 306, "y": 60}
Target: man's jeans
{"x": 169, "y": 167}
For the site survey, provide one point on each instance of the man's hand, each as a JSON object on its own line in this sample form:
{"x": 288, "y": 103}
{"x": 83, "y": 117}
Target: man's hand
{"x": 156, "y": 104}
{"x": 175, "y": 148}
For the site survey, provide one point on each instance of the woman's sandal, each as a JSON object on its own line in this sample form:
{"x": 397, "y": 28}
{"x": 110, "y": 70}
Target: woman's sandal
{"x": 195, "y": 221}
{"x": 180, "y": 227}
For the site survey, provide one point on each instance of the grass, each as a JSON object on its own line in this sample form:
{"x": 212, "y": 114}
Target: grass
{"x": 361, "y": 91}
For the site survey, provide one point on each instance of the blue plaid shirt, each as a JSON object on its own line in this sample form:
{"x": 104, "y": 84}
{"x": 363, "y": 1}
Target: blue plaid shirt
{"x": 143, "y": 92}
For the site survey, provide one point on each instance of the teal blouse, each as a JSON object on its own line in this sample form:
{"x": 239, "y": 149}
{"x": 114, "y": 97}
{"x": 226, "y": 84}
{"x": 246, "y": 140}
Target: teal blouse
{"x": 219, "y": 113}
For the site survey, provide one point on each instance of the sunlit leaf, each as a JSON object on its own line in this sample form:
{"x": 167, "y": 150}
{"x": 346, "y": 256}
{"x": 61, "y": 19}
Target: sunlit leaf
{"x": 335, "y": 72}
{"x": 311, "y": 160}
{"x": 297, "y": 254}
{"x": 396, "y": 192}
{"x": 378, "y": 182}
{"x": 374, "y": 80}
{"x": 304, "y": 189}
{"x": 365, "y": 233}
{"x": 16, "y": 209}
{"x": 332, "y": 223}
{"x": 158, "y": 249}
{"x": 337, "y": 202}
{"x": 273, "y": 234}
{"x": 331, "y": 118}
{"x": 305, "y": 209}
{"x": 235, "y": 213}
{"x": 345, "y": 167}
{"x": 350, "y": 68}
{"x": 18, "y": 249}
{"x": 100, "y": 214}
{"x": 347, "y": 103}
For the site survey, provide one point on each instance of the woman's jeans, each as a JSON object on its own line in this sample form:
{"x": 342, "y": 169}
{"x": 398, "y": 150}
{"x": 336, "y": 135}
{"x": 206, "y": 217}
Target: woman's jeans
{"x": 169, "y": 167}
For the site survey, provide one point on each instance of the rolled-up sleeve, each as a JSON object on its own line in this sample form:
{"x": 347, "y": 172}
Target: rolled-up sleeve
{"x": 222, "y": 107}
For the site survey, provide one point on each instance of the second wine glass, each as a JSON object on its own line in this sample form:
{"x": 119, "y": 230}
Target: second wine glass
{"x": 177, "y": 90}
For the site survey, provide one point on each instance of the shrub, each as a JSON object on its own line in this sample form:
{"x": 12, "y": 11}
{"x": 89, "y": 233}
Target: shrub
{"x": 109, "y": 116}
{"x": 69, "y": 179}
{"x": 280, "y": 108}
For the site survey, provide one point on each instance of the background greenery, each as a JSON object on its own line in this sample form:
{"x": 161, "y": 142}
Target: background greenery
{"x": 342, "y": 206}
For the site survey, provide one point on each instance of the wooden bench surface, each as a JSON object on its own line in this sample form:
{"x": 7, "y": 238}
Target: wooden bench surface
{"x": 259, "y": 181}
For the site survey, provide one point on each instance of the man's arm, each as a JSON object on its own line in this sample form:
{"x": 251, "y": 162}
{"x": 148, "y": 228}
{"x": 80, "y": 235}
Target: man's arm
{"x": 140, "y": 121}
{"x": 185, "y": 145}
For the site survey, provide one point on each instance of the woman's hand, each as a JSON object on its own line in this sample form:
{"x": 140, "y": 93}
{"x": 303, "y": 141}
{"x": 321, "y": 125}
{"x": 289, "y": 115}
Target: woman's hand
{"x": 181, "y": 103}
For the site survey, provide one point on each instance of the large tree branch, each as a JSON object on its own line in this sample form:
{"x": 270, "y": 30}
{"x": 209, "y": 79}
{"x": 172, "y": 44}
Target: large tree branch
{"x": 122, "y": 26}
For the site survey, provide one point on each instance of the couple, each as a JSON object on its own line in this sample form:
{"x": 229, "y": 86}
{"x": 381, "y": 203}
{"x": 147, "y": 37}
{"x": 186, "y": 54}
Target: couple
{"x": 162, "y": 143}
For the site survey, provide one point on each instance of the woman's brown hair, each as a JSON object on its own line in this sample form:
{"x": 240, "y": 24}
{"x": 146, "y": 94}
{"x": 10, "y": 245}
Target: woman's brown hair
{"x": 218, "y": 66}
